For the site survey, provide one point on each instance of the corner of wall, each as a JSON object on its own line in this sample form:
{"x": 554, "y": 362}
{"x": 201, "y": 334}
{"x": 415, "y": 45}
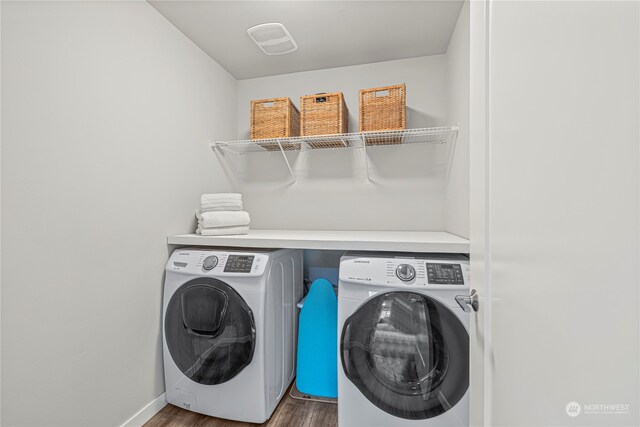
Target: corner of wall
{"x": 458, "y": 80}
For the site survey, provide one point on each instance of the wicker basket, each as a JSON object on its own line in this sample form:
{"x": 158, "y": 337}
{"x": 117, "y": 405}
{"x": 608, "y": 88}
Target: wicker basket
{"x": 383, "y": 108}
{"x": 274, "y": 118}
{"x": 323, "y": 114}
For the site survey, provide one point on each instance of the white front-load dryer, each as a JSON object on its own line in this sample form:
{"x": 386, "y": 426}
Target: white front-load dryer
{"x": 230, "y": 329}
{"x": 403, "y": 340}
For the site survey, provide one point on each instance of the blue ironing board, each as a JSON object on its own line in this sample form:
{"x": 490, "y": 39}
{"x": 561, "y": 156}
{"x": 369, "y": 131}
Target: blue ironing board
{"x": 318, "y": 342}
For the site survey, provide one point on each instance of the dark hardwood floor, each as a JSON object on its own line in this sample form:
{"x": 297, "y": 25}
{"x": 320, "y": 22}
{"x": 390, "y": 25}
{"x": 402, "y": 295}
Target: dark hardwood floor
{"x": 290, "y": 413}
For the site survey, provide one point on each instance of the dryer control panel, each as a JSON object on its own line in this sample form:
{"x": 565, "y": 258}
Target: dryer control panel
{"x": 218, "y": 263}
{"x": 444, "y": 274}
{"x": 402, "y": 270}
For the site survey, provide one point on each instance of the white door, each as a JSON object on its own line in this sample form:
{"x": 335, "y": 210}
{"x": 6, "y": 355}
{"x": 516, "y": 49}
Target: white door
{"x": 555, "y": 228}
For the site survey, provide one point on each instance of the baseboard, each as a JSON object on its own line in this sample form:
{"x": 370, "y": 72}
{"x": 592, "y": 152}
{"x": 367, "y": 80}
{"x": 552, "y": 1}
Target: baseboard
{"x": 147, "y": 412}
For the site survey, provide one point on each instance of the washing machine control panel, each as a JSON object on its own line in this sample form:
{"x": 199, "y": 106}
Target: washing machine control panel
{"x": 239, "y": 264}
{"x": 404, "y": 271}
{"x": 218, "y": 263}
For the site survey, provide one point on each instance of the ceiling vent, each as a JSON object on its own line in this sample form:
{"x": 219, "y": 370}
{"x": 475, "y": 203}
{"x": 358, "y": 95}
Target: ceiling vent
{"x": 273, "y": 38}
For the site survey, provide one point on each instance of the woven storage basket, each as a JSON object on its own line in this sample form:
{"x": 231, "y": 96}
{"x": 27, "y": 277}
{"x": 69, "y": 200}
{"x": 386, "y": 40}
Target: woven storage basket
{"x": 324, "y": 114}
{"x": 383, "y": 108}
{"x": 274, "y": 118}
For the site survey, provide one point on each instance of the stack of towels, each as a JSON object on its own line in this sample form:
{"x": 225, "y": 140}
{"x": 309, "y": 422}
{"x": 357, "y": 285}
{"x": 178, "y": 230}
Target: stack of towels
{"x": 221, "y": 214}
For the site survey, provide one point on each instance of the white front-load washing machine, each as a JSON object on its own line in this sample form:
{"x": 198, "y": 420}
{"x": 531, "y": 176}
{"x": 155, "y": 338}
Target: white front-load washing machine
{"x": 403, "y": 340}
{"x": 230, "y": 329}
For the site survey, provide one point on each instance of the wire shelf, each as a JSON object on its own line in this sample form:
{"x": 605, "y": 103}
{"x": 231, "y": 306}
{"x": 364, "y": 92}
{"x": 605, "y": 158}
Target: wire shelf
{"x": 434, "y": 135}
{"x": 364, "y": 140}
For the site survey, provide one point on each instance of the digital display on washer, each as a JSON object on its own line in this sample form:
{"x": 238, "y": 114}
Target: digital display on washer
{"x": 445, "y": 274}
{"x": 239, "y": 264}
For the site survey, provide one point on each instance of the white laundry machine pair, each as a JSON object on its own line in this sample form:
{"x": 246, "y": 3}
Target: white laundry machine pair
{"x": 403, "y": 340}
{"x": 230, "y": 329}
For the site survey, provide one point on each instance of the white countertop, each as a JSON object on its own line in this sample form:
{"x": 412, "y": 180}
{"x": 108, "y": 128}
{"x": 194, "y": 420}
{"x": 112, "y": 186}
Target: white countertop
{"x": 403, "y": 241}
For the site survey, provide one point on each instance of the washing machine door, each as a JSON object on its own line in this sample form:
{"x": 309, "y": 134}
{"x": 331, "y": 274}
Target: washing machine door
{"x": 407, "y": 353}
{"x": 209, "y": 330}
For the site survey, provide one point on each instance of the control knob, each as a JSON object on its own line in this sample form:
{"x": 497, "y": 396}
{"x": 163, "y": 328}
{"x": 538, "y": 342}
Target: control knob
{"x": 405, "y": 272}
{"x": 210, "y": 262}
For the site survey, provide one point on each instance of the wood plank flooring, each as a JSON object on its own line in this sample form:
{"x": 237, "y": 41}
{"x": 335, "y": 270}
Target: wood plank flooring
{"x": 290, "y": 413}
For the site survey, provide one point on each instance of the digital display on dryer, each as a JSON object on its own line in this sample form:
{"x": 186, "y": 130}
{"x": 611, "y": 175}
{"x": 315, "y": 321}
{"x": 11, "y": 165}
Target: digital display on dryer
{"x": 444, "y": 274}
{"x": 239, "y": 264}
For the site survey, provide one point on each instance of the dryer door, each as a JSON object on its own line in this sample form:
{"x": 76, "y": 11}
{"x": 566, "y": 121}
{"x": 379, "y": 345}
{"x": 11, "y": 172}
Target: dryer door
{"x": 407, "y": 353}
{"x": 209, "y": 330}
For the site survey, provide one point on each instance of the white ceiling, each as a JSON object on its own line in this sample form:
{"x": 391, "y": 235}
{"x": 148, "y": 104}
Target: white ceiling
{"x": 329, "y": 33}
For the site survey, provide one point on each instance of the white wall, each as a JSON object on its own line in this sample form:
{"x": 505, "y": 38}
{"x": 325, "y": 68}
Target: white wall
{"x": 107, "y": 111}
{"x": 564, "y": 206}
{"x": 332, "y": 190}
{"x": 424, "y": 77}
{"x": 457, "y": 202}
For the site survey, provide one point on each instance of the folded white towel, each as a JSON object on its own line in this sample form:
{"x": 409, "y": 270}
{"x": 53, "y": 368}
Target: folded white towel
{"x": 199, "y": 212}
{"x": 220, "y": 197}
{"x": 222, "y": 205}
{"x": 223, "y": 219}
{"x": 223, "y": 231}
